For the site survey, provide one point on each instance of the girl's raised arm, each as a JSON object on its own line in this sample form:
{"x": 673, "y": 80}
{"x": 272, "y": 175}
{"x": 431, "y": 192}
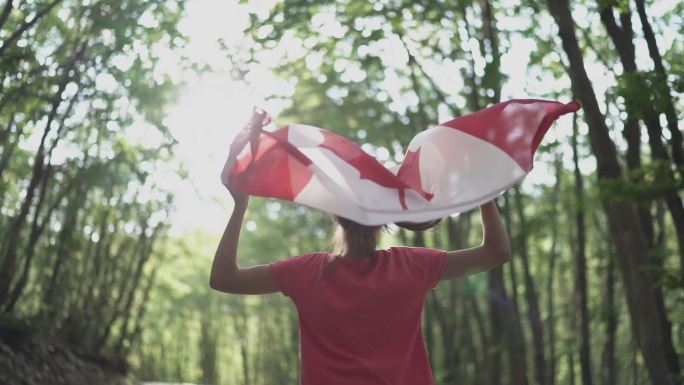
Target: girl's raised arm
{"x": 226, "y": 275}
{"x": 494, "y": 251}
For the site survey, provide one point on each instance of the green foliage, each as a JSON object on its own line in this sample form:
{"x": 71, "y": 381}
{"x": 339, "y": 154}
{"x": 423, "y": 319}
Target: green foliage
{"x": 650, "y": 182}
{"x": 676, "y": 71}
{"x": 346, "y": 80}
{"x": 85, "y": 256}
{"x": 645, "y": 93}
{"x": 79, "y": 214}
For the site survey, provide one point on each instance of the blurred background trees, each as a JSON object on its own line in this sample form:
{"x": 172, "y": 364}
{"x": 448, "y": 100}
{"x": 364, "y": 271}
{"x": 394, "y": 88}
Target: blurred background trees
{"x": 80, "y": 221}
{"x": 593, "y": 294}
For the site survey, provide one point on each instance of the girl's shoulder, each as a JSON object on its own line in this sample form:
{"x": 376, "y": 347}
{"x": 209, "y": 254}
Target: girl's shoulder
{"x": 309, "y": 257}
{"x": 412, "y": 250}
{"x": 303, "y": 260}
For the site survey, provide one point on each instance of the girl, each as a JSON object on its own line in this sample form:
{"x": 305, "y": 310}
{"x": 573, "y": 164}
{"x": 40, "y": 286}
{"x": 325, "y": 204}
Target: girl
{"x": 359, "y": 308}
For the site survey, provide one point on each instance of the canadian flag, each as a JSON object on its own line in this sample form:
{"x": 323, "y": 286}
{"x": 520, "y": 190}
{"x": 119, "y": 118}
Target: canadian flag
{"x": 451, "y": 167}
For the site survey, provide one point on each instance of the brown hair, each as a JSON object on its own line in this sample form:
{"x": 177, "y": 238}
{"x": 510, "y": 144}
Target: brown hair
{"x": 353, "y": 239}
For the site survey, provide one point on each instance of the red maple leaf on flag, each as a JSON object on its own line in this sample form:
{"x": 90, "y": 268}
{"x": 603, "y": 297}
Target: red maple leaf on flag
{"x": 369, "y": 168}
{"x": 409, "y": 173}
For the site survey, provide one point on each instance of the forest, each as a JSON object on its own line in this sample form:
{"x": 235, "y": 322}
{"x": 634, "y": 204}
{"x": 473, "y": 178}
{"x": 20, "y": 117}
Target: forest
{"x": 91, "y": 269}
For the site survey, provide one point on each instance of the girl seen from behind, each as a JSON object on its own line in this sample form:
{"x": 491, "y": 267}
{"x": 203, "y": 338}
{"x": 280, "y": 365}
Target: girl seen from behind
{"x": 359, "y": 308}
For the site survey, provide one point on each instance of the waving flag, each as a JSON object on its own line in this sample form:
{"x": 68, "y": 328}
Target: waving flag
{"x": 449, "y": 168}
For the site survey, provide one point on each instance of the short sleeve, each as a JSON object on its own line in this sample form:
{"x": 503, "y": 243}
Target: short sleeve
{"x": 428, "y": 263}
{"x": 292, "y": 274}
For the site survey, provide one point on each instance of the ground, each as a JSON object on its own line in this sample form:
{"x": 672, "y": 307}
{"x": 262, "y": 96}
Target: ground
{"x": 28, "y": 362}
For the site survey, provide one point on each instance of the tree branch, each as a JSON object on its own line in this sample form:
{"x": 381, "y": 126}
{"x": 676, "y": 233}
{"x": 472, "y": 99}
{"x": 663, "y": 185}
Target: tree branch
{"x": 24, "y": 27}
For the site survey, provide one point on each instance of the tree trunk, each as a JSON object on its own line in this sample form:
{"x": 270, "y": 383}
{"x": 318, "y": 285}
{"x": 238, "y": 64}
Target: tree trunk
{"x": 242, "y": 331}
{"x": 553, "y": 256}
{"x": 622, "y": 39}
{"x": 670, "y": 112}
{"x": 143, "y": 252}
{"x": 8, "y": 147}
{"x": 141, "y": 257}
{"x": 622, "y": 217}
{"x": 470, "y": 372}
{"x": 6, "y": 12}
{"x": 37, "y": 228}
{"x": 448, "y": 326}
{"x": 456, "y": 230}
{"x": 504, "y": 322}
{"x": 471, "y": 79}
{"x": 138, "y": 317}
{"x": 476, "y": 316}
{"x": 419, "y": 241}
{"x": 8, "y": 267}
{"x": 11, "y": 300}
{"x": 608, "y": 361}
{"x": 208, "y": 351}
{"x": 571, "y": 368}
{"x": 517, "y": 351}
{"x": 531, "y": 296}
{"x": 581, "y": 296}
{"x": 66, "y": 232}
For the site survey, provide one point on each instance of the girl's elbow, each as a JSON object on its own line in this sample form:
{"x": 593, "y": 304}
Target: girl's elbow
{"x": 498, "y": 253}
{"x": 501, "y": 255}
{"x": 504, "y": 252}
{"x": 219, "y": 284}
{"x": 214, "y": 284}
{"x": 223, "y": 279}
{"x": 505, "y": 256}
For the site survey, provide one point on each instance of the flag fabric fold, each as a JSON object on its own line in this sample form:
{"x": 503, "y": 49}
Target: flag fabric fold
{"x": 449, "y": 168}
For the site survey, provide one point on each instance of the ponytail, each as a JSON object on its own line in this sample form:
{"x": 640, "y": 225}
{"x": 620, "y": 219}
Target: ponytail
{"x": 353, "y": 239}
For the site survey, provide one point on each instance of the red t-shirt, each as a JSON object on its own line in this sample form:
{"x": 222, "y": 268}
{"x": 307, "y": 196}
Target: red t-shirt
{"x": 360, "y": 320}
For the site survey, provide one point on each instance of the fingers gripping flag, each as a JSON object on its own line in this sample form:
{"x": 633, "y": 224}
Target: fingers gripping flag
{"x": 449, "y": 168}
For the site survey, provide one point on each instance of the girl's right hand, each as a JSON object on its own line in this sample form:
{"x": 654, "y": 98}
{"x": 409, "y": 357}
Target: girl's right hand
{"x": 240, "y": 198}
{"x": 248, "y": 135}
